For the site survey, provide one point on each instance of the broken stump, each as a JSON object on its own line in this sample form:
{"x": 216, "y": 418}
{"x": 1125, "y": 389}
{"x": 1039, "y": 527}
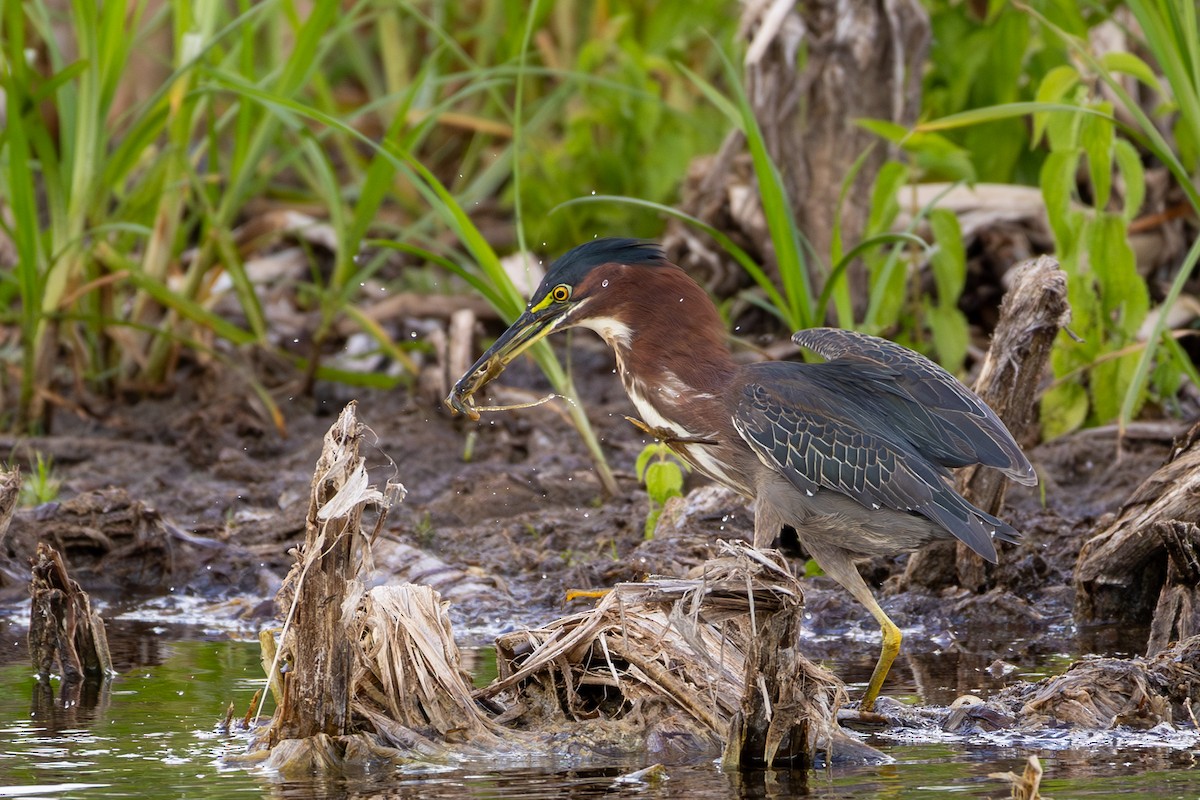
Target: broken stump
{"x": 1142, "y": 568}
{"x": 673, "y": 666}
{"x": 1177, "y": 612}
{"x": 66, "y": 637}
{"x": 1032, "y": 314}
{"x": 315, "y": 642}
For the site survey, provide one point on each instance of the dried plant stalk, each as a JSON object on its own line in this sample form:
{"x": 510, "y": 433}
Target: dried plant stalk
{"x": 685, "y": 659}
{"x": 316, "y": 691}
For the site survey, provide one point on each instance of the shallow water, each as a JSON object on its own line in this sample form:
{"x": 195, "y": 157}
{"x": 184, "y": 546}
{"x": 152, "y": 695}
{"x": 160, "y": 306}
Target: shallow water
{"x": 154, "y": 732}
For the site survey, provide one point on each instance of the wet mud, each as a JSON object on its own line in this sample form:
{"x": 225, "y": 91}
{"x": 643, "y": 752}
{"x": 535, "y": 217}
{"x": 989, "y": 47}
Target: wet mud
{"x": 198, "y": 494}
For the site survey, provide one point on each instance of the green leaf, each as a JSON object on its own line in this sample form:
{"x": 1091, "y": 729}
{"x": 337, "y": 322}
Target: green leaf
{"x": 950, "y": 335}
{"x": 891, "y": 131}
{"x": 941, "y": 159}
{"x": 1058, "y": 183}
{"x": 1123, "y": 294}
{"x": 1062, "y": 130}
{"x": 1096, "y": 137}
{"x": 1181, "y": 277}
{"x": 1130, "y": 64}
{"x": 1064, "y": 409}
{"x": 643, "y": 459}
{"x": 884, "y": 195}
{"x": 1052, "y": 89}
{"x": 1186, "y": 142}
{"x": 965, "y": 119}
{"x": 1181, "y": 364}
{"x": 949, "y": 259}
{"x": 1133, "y": 175}
{"x": 664, "y": 480}
{"x": 1110, "y": 382}
{"x": 936, "y": 155}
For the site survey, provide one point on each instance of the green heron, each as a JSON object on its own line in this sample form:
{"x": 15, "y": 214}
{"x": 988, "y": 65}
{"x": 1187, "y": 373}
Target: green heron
{"x": 854, "y": 453}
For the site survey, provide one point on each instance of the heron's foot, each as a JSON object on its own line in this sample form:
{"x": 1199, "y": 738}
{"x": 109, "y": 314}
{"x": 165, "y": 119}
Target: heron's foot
{"x": 860, "y": 718}
{"x": 665, "y": 436}
{"x": 886, "y": 712}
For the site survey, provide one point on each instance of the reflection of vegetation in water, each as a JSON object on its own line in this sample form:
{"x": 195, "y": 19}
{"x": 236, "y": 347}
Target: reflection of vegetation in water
{"x": 153, "y": 726}
{"x": 154, "y": 734}
{"x": 480, "y": 662}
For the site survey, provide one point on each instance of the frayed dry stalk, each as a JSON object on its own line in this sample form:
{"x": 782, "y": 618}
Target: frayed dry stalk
{"x": 315, "y": 642}
{"x": 374, "y": 676}
{"x": 408, "y": 677}
{"x": 678, "y": 663}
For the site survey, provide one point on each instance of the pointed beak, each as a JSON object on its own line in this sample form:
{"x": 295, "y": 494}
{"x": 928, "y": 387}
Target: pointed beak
{"x": 529, "y": 328}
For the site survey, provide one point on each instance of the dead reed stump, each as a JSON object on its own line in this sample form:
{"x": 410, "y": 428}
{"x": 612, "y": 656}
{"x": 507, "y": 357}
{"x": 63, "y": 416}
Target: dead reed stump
{"x": 772, "y": 726}
{"x": 681, "y": 666}
{"x": 10, "y": 495}
{"x": 1143, "y": 567}
{"x": 316, "y": 645}
{"x": 1032, "y": 314}
{"x": 66, "y": 637}
{"x": 812, "y": 70}
{"x": 1177, "y": 612}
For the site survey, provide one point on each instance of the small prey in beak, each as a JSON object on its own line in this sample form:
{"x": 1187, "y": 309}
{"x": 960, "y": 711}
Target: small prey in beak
{"x": 537, "y": 321}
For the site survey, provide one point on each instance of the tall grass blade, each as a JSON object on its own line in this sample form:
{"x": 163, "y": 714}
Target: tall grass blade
{"x": 780, "y": 217}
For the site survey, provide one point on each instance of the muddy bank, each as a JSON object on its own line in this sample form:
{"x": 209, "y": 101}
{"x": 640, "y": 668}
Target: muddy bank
{"x": 199, "y": 494}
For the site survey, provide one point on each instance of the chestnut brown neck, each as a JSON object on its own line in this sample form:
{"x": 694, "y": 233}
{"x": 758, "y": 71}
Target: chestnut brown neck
{"x": 669, "y": 340}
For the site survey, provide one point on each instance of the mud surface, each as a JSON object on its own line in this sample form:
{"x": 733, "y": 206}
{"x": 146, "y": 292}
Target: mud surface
{"x": 199, "y": 495}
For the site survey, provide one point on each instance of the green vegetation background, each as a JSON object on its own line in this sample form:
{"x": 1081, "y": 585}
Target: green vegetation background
{"x": 431, "y": 138}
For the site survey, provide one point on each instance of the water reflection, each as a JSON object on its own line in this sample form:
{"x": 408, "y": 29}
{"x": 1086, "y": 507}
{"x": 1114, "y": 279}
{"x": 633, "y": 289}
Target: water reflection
{"x": 153, "y": 730}
{"x": 58, "y": 706}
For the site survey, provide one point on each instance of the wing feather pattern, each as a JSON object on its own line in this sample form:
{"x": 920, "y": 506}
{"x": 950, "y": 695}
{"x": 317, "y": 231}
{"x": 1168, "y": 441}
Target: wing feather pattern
{"x": 822, "y": 428}
{"x": 944, "y": 420}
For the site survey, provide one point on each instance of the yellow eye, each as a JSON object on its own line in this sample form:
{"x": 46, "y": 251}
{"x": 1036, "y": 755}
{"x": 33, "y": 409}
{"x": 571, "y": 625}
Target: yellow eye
{"x": 561, "y": 293}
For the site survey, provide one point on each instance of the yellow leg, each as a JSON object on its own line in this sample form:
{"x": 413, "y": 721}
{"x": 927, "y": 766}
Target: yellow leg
{"x": 839, "y": 565}
{"x": 891, "y": 646}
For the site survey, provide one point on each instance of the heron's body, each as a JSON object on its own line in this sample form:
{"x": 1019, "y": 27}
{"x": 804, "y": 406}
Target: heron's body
{"x": 854, "y": 453}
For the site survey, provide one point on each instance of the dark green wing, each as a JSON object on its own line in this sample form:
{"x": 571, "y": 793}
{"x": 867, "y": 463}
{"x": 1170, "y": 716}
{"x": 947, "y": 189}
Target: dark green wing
{"x": 942, "y": 419}
{"x": 817, "y": 426}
